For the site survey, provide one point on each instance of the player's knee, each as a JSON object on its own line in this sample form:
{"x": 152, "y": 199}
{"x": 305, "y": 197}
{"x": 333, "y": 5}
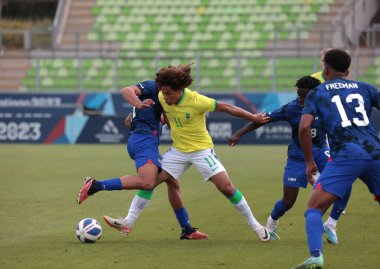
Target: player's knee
{"x": 148, "y": 184}
{"x": 228, "y": 189}
{"x": 172, "y": 183}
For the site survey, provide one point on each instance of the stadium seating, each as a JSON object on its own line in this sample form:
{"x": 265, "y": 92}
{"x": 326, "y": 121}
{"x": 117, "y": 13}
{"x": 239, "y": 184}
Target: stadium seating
{"x": 225, "y": 38}
{"x": 372, "y": 73}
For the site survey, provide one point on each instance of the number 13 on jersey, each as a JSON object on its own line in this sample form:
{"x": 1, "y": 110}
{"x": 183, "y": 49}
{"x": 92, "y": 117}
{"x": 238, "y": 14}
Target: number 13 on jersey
{"x": 360, "y": 109}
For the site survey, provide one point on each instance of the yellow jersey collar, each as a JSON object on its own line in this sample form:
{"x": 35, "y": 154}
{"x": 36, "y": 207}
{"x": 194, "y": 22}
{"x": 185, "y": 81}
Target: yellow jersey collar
{"x": 183, "y": 97}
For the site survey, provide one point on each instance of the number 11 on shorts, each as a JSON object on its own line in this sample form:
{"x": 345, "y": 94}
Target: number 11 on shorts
{"x": 210, "y": 160}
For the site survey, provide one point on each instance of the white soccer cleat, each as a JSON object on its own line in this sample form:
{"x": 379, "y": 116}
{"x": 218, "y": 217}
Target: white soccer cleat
{"x": 119, "y": 224}
{"x": 263, "y": 234}
{"x": 332, "y": 237}
{"x": 272, "y": 228}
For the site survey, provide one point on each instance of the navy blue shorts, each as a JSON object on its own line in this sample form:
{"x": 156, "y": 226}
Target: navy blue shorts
{"x": 338, "y": 176}
{"x": 295, "y": 170}
{"x": 143, "y": 149}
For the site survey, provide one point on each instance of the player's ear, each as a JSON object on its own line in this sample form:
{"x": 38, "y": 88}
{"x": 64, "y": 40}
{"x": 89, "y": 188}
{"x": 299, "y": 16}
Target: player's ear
{"x": 326, "y": 72}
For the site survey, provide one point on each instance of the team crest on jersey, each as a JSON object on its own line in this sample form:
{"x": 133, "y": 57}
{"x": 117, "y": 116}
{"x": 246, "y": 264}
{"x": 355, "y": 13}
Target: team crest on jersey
{"x": 187, "y": 115}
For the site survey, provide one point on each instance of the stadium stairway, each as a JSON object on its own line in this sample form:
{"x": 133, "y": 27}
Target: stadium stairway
{"x": 79, "y": 17}
{"x": 14, "y": 64}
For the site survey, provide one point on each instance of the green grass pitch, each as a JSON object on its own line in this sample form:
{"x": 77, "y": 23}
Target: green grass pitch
{"x": 39, "y": 213}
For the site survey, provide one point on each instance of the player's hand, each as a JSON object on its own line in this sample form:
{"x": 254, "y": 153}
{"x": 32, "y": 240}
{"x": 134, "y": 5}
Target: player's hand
{"x": 162, "y": 119}
{"x": 377, "y": 198}
{"x": 261, "y": 118}
{"x": 311, "y": 171}
{"x": 234, "y": 139}
{"x": 146, "y": 104}
{"x": 128, "y": 120}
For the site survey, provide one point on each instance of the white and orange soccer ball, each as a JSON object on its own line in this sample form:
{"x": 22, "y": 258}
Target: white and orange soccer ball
{"x": 88, "y": 230}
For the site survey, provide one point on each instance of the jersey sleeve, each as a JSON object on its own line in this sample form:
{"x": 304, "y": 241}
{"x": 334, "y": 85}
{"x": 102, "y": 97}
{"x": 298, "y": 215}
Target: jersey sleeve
{"x": 310, "y": 105}
{"x": 205, "y": 103}
{"x": 279, "y": 114}
{"x": 147, "y": 87}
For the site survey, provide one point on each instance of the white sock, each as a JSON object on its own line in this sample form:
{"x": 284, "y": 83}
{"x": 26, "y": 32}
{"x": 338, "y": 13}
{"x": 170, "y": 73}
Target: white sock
{"x": 331, "y": 222}
{"x": 244, "y": 209}
{"x": 137, "y": 206}
{"x": 272, "y": 224}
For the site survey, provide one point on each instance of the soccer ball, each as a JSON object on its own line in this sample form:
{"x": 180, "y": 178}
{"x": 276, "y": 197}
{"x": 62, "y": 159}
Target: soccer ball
{"x": 88, "y": 230}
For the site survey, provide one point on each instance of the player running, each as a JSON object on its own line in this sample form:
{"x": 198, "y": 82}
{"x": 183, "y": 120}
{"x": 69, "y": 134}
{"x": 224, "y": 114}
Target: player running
{"x": 143, "y": 149}
{"x": 344, "y": 109}
{"x": 294, "y": 174}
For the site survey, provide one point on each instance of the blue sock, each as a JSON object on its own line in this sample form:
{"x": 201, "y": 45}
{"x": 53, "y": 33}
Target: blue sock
{"x": 314, "y": 231}
{"x": 278, "y": 210}
{"x": 340, "y": 205}
{"x": 109, "y": 184}
{"x": 183, "y": 219}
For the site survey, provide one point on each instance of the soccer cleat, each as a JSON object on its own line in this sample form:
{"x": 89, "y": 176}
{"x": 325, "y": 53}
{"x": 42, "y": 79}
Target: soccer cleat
{"x": 311, "y": 263}
{"x": 87, "y": 189}
{"x": 272, "y": 227}
{"x": 273, "y": 235}
{"x": 193, "y": 235}
{"x": 331, "y": 234}
{"x": 264, "y": 234}
{"x": 119, "y": 224}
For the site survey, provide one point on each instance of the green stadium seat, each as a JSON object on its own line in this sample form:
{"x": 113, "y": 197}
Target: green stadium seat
{"x": 214, "y": 28}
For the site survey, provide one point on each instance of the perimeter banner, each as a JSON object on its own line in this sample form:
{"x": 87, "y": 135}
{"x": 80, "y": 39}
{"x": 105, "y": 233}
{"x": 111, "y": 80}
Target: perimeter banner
{"x": 99, "y": 118}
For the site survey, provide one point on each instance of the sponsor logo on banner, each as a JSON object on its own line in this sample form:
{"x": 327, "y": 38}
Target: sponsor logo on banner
{"x": 110, "y": 133}
{"x": 220, "y": 130}
{"x": 274, "y": 132}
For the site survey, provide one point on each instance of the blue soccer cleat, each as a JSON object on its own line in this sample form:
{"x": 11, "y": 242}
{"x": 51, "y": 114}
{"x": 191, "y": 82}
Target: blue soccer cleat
{"x": 311, "y": 263}
{"x": 332, "y": 237}
{"x": 273, "y": 235}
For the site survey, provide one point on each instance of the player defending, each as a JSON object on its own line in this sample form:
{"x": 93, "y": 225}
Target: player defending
{"x": 294, "y": 174}
{"x": 186, "y": 112}
{"x": 143, "y": 149}
{"x": 344, "y": 108}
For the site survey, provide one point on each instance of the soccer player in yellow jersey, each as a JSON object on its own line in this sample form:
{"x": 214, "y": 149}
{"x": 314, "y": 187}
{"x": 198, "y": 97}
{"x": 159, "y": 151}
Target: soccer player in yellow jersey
{"x": 319, "y": 75}
{"x": 186, "y": 111}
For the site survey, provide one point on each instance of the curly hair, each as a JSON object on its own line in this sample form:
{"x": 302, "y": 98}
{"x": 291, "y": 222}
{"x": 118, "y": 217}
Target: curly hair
{"x": 177, "y": 77}
{"x": 307, "y": 82}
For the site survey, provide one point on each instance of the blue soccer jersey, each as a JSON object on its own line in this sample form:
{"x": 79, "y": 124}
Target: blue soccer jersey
{"x": 292, "y": 112}
{"x": 344, "y": 108}
{"x": 147, "y": 120}
{"x": 146, "y": 128}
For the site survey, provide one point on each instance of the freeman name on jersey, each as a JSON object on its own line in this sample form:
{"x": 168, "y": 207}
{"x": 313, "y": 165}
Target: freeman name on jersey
{"x": 339, "y": 85}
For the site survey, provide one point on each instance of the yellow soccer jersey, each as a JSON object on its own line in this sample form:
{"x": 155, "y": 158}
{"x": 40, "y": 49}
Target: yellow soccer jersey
{"x": 188, "y": 121}
{"x": 319, "y": 75}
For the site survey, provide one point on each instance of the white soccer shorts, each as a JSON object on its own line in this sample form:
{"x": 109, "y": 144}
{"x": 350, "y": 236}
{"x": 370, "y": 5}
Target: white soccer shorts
{"x": 207, "y": 163}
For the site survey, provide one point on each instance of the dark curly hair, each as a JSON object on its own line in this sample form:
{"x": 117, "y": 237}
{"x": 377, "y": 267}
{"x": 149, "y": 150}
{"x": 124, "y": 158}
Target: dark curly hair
{"x": 338, "y": 60}
{"x": 177, "y": 77}
{"x": 307, "y": 82}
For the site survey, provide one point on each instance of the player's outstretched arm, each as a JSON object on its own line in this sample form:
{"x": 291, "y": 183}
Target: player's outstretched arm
{"x": 241, "y": 113}
{"x": 131, "y": 94}
{"x": 306, "y": 144}
{"x": 234, "y": 139}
